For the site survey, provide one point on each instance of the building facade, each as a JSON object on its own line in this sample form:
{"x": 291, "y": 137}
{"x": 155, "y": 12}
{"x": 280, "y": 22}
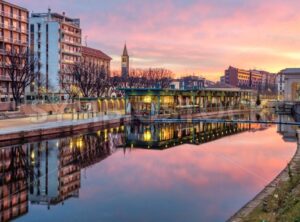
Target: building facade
{"x": 289, "y": 84}
{"x": 56, "y": 41}
{"x": 250, "y": 79}
{"x": 13, "y": 36}
{"x": 125, "y": 63}
{"x": 188, "y": 82}
{"x": 97, "y": 58}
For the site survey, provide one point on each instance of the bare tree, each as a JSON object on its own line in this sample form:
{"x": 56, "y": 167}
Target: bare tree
{"x": 21, "y": 70}
{"x": 85, "y": 77}
{"x": 102, "y": 83}
{"x": 158, "y": 77}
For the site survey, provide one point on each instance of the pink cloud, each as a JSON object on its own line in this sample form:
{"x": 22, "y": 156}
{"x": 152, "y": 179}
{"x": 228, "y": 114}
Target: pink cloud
{"x": 191, "y": 36}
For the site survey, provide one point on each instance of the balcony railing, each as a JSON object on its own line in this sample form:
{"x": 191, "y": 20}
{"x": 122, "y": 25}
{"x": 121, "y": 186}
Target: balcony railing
{"x": 71, "y": 33}
{"x": 13, "y": 28}
{"x": 13, "y": 41}
{"x": 71, "y": 42}
{"x": 71, "y": 52}
{"x": 14, "y": 16}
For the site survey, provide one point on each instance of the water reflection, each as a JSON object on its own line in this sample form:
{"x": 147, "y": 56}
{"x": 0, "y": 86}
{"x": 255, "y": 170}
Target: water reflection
{"x": 161, "y": 136}
{"x": 288, "y": 132}
{"x": 50, "y": 173}
{"x": 13, "y": 182}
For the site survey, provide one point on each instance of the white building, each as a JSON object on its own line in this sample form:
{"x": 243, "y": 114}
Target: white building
{"x": 56, "y": 41}
{"x": 289, "y": 84}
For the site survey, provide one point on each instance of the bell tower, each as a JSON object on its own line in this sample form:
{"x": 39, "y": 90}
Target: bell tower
{"x": 125, "y": 63}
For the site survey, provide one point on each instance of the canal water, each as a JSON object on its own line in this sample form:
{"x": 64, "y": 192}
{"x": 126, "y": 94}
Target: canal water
{"x": 143, "y": 172}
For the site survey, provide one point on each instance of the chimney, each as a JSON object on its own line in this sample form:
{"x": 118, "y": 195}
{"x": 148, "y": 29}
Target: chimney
{"x": 64, "y": 15}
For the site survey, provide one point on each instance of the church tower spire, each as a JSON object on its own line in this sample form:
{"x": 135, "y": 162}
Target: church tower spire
{"x": 125, "y": 62}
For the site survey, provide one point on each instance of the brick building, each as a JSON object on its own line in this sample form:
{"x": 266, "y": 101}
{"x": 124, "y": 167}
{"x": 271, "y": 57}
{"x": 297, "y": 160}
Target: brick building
{"x": 97, "y": 57}
{"x": 250, "y": 79}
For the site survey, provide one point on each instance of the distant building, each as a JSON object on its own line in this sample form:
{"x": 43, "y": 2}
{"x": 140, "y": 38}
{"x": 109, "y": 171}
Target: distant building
{"x": 56, "y": 40}
{"x": 250, "y": 79}
{"x": 175, "y": 84}
{"x": 96, "y": 57}
{"x": 188, "y": 82}
{"x": 13, "y": 35}
{"x": 222, "y": 79}
{"x": 192, "y": 82}
{"x": 125, "y": 62}
{"x": 289, "y": 84}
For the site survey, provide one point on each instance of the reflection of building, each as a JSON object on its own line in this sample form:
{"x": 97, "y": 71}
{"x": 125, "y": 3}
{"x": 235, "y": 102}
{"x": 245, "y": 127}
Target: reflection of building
{"x": 92, "y": 148}
{"x": 56, "y": 40}
{"x": 13, "y": 35}
{"x": 289, "y": 84}
{"x": 161, "y": 136}
{"x": 13, "y": 183}
{"x": 289, "y": 132}
{"x": 96, "y": 58}
{"x": 125, "y": 63}
{"x": 55, "y": 177}
{"x": 56, "y": 164}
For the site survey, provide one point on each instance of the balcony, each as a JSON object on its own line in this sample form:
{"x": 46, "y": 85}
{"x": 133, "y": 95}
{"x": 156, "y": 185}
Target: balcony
{"x": 14, "y": 16}
{"x": 71, "y": 52}
{"x": 13, "y": 41}
{"x": 12, "y": 28}
{"x": 71, "y": 42}
{"x": 67, "y": 61}
{"x": 71, "y": 33}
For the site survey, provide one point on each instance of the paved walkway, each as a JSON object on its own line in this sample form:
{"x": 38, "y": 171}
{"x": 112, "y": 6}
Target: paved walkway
{"x": 47, "y": 122}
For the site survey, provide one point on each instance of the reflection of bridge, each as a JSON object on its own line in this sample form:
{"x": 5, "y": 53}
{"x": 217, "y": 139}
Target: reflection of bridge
{"x": 165, "y": 135}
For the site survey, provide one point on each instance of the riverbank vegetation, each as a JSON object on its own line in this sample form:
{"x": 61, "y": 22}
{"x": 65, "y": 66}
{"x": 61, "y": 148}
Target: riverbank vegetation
{"x": 283, "y": 204}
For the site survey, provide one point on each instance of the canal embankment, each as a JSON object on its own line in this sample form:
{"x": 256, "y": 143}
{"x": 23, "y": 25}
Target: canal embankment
{"x": 43, "y": 125}
{"x": 279, "y": 200}
{"x": 28, "y": 127}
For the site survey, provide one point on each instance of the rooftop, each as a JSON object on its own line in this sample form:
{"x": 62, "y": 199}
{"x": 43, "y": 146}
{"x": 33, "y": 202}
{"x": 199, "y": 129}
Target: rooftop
{"x": 57, "y": 17}
{"x": 95, "y": 53}
{"x": 184, "y": 90}
{"x": 290, "y": 71}
{"x": 13, "y": 5}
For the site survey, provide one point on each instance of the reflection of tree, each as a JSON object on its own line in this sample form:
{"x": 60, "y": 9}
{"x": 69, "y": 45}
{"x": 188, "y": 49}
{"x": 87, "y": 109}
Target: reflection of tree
{"x": 95, "y": 148}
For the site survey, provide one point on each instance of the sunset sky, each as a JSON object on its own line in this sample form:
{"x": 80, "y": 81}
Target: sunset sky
{"x": 189, "y": 36}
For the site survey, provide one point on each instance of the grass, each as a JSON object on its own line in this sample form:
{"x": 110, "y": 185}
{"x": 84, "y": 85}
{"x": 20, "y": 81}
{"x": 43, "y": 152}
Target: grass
{"x": 283, "y": 205}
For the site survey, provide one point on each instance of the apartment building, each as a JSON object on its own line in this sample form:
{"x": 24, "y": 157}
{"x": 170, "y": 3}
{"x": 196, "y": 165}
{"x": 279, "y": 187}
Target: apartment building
{"x": 13, "y": 36}
{"x": 56, "y": 41}
{"x": 250, "y": 79}
{"x": 97, "y": 58}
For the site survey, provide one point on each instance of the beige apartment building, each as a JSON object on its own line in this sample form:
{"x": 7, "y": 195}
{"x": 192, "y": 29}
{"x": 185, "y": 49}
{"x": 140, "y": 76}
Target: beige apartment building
{"x": 13, "y": 35}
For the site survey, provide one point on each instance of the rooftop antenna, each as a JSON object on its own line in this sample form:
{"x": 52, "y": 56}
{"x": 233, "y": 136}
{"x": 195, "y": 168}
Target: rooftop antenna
{"x": 85, "y": 40}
